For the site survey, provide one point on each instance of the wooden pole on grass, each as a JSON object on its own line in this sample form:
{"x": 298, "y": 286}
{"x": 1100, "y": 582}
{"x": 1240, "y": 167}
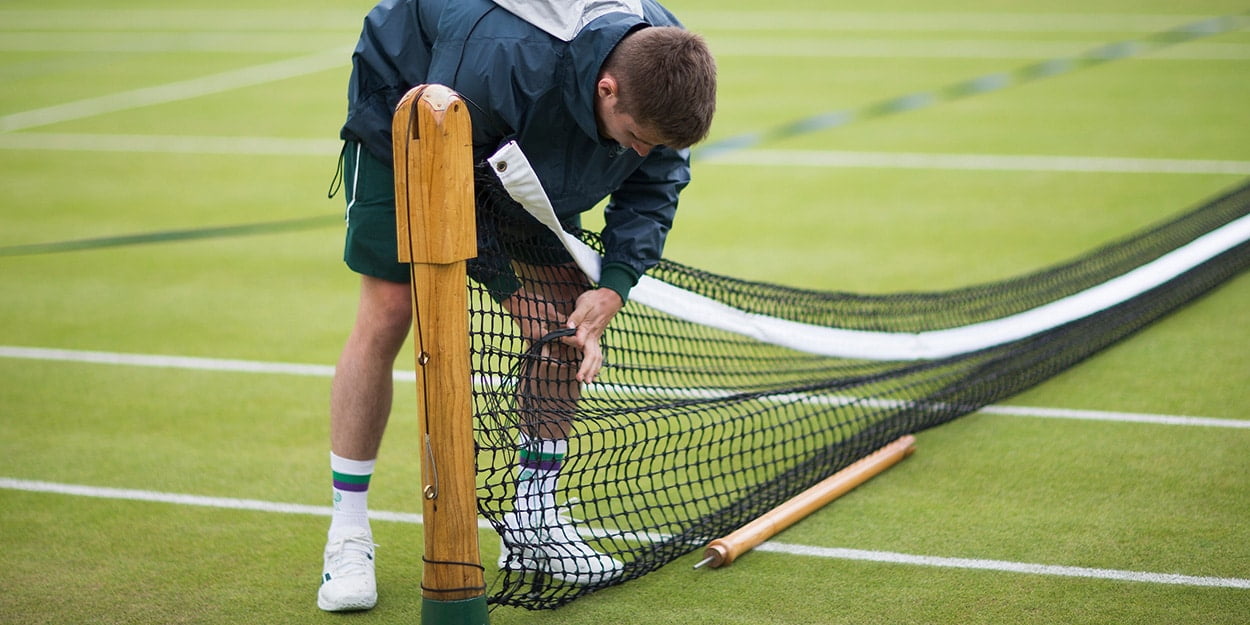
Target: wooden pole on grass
{"x": 723, "y": 551}
{"x": 434, "y": 218}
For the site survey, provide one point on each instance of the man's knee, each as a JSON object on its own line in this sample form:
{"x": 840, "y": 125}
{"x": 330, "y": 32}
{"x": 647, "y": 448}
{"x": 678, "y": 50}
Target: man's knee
{"x": 385, "y": 306}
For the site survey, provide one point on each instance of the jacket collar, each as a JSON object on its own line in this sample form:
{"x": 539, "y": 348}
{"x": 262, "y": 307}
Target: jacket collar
{"x": 587, "y": 52}
{"x": 563, "y": 19}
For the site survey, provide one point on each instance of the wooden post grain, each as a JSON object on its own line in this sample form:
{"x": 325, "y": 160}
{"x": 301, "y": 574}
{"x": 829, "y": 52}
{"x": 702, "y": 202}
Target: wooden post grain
{"x": 436, "y": 234}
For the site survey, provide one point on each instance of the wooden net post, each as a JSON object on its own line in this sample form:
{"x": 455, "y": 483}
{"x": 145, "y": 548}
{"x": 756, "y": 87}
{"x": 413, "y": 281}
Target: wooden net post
{"x": 434, "y": 217}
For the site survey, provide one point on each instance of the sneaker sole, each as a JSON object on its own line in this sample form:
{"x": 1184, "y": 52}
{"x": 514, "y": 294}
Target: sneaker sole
{"x": 346, "y": 606}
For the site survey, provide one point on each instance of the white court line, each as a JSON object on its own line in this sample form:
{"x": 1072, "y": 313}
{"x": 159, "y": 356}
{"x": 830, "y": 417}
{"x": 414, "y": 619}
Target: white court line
{"x": 920, "y": 21}
{"x": 176, "y": 91}
{"x": 255, "y": 505}
{"x": 325, "y": 371}
{"x": 722, "y": 46}
{"x": 170, "y": 144}
{"x": 174, "y": 362}
{"x": 1005, "y": 566}
{"x": 282, "y": 146}
{"x": 844, "y": 48}
{"x": 1121, "y": 417}
{"x": 99, "y": 19}
{"x": 978, "y": 162}
{"x": 103, "y": 19}
{"x": 168, "y": 42}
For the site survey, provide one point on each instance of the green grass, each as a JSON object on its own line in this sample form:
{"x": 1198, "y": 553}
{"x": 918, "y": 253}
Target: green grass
{"x": 1078, "y": 493}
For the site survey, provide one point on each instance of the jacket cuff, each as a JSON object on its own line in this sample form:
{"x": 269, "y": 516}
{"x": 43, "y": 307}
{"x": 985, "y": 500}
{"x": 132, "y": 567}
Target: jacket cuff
{"x": 619, "y": 277}
{"x": 502, "y": 287}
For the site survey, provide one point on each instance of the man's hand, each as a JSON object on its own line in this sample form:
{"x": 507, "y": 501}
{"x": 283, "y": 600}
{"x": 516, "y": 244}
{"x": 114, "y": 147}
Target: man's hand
{"x": 534, "y": 316}
{"x": 595, "y": 309}
{"x": 590, "y": 317}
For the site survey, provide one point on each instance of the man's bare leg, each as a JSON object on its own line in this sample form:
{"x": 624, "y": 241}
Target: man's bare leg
{"x": 362, "y": 391}
{"x": 360, "y": 406}
{"x": 547, "y": 400}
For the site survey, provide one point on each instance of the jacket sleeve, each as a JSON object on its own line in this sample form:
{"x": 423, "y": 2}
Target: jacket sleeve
{"x": 392, "y": 56}
{"x": 639, "y": 215}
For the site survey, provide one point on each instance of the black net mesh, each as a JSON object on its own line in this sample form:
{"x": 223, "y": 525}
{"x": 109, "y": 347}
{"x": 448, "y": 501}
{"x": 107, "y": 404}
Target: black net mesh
{"x": 690, "y": 432}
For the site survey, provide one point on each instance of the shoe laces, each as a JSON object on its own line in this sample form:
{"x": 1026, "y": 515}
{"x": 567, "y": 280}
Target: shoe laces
{"x": 350, "y": 555}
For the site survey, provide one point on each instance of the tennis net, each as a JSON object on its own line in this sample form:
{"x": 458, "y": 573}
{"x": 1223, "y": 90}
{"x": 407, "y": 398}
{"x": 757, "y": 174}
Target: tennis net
{"x": 721, "y": 398}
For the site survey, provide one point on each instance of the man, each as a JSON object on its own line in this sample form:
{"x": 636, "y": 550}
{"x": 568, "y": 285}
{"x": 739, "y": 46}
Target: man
{"x": 603, "y": 96}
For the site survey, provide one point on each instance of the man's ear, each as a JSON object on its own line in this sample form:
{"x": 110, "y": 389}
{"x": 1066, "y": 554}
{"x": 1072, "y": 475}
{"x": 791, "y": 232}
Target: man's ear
{"x": 606, "y": 87}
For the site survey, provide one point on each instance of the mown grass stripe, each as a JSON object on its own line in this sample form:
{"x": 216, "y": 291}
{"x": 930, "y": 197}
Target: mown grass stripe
{"x": 166, "y": 236}
{"x": 985, "y": 84}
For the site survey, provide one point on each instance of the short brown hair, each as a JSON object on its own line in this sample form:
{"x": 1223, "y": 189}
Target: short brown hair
{"x": 667, "y": 80}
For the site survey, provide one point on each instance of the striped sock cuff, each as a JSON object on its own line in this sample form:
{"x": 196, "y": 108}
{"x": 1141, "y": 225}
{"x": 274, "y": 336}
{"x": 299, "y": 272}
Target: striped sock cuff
{"x": 351, "y": 475}
{"x": 542, "y": 454}
{"x": 349, "y": 482}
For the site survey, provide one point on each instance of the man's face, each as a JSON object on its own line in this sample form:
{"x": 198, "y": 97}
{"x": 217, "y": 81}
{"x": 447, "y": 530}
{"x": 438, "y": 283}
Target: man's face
{"x": 618, "y": 126}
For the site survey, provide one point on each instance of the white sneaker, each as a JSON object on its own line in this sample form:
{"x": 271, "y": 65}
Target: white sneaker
{"x": 347, "y": 581}
{"x": 548, "y": 543}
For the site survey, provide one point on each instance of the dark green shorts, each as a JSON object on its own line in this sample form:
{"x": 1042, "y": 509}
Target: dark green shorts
{"x": 369, "y": 185}
{"x": 371, "y": 247}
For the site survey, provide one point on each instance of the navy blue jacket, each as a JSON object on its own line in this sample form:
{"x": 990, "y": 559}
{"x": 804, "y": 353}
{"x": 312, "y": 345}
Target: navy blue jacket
{"x": 525, "y": 84}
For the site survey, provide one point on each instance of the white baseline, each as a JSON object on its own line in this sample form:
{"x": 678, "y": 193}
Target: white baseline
{"x": 131, "y": 42}
{"x": 227, "y": 365}
{"x": 176, "y": 91}
{"x": 290, "y": 146}
{"x": 979, "y": 162}
{"x": 254, "y": 505}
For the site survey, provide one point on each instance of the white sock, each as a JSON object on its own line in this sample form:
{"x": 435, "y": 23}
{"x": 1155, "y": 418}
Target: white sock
{"x": 538, "y": 469}
{"x": 351, "y": 494}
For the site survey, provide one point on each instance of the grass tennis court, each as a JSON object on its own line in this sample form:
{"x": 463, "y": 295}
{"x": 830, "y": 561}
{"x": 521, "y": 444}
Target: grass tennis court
{"x": 165, "y": 352}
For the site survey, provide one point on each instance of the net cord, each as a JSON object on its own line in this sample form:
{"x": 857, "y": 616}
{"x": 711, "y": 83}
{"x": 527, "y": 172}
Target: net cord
{"x": 518, "y": 178}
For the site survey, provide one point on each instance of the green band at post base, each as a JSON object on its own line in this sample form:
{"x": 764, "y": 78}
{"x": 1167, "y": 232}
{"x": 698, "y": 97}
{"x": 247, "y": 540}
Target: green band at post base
{"x": 460, "y": 612}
